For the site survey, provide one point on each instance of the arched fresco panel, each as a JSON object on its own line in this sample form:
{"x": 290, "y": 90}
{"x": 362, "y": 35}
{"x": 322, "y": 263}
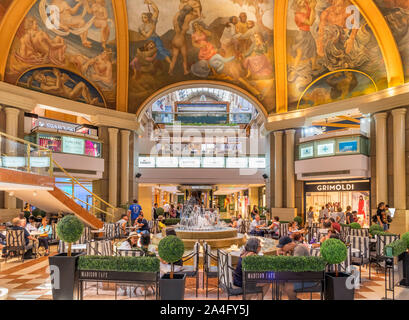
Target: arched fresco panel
{"x": 73, "y": 35}
{"x": 396, "y": 13}
{"x": 181, "y": 40}
{"x": 325, "y": 36}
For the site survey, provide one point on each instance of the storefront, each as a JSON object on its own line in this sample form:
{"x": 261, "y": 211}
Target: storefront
{"x": 355, "y": 193}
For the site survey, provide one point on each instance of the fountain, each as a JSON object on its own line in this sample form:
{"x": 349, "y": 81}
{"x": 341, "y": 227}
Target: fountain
{"x": 197, "y": 224}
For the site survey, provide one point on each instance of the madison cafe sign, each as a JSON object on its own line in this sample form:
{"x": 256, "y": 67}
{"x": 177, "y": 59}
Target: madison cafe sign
{"x": 337, "y": 186}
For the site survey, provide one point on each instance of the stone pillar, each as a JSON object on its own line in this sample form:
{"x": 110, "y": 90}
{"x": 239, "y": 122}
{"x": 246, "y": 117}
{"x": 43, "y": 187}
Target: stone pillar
{"x": 113, "y": 166}
{"x": 381, "y": 158}
{"x": 399, "y": 163}
{"x": 12, "y": 115}
{"x": 125, "y": 166}
{"x": 269, "y": 171}
{"x": 278, "y": 169}
{"x": 289, "y": 135}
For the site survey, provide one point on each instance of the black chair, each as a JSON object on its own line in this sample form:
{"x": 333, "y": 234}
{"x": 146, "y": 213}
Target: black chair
{"x": 225, "y": 273}
{"x": 377, "y": 255}
{"x": 209, "y": 271}
{"x": 283, "y": 229}
{"x": 54, "y": 237}
{"x": 192, "y": 271}
{"x": 361, "y": 258}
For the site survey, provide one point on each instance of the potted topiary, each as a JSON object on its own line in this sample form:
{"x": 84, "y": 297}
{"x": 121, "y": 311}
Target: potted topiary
{"x": 355, "y": 225}
{"x": 375, "y": 228}
{"x": 172, "y": 286}
{"x": 64, "y": 265}
{"x": 334, "y": 252}
{"x": 160, "y": 211}
{"x": 298, "y": 219}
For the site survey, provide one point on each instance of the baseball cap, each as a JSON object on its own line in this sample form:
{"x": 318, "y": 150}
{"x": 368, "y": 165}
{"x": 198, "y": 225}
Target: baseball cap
{"x": 283, "y": 241}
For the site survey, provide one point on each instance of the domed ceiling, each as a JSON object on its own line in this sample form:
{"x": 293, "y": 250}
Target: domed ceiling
{"x": 287, "y": 55}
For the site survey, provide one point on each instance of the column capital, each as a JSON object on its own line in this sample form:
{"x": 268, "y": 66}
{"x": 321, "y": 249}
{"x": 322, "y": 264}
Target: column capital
{"x": 278, "y": 133}
{"x": 113, "y": 131}
{"x": 125, "y": 133}
{"x": 398, "y": 112}
{"x": 290, "y": 132}
{"x": 11, "y": 111}
{"x": 380, "y": 116}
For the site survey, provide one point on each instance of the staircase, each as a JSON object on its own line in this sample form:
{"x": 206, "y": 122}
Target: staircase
{"x": 26, "y": 172}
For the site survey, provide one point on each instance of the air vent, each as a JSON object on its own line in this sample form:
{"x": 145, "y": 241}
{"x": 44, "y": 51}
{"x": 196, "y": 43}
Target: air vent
{"x": 328, "y": 173}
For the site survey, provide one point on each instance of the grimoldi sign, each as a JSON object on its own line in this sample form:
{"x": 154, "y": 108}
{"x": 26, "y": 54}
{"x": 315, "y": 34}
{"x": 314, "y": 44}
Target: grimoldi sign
{"x": 337, "y": 186}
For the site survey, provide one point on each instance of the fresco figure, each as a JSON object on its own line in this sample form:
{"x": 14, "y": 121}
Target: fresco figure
{"x": 100, "y": 12}
{"x": 200, "y": 40}
{"x": 57, "y": 85}
{"x": 36, "y": 46}
{"x": 256, "y": 62}
{"x": 144, "y": 60}
{"x": 148, "y": 31}
{"x": 228, "y": 42}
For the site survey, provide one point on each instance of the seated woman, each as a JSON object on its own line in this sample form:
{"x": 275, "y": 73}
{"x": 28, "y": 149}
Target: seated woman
{"x": 252, "y": 248}
{"x": 131, "y": 242}
{"x": 233, "y": 223}
{"x": 46, "y": 235}
{"x": 274, "y": 228}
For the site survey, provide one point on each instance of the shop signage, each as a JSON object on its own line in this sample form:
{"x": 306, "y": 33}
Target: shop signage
{"x": 146, "y": 162}
{"x": 213, "y": 162}
{"x": 13, "y": 162}
{"x": 348, "y": 146}
{"x": 73, "y": 145}
{"x": 325, "y": 149}
{"x": 39, "y": 162}
{"x": 307, "y": 152}
{"x": 189, "y": 162}
{"x": 257, "y": 163}
{"x": 167, "y": 162}
{"x": 236, "y": 163}
{"x": 337, "y": 187}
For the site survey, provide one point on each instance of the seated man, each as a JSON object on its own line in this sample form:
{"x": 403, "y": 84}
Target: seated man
{"x": 145, "y": 242}
{"x": 255, "y": 227}
{"x": 142, "y": 224}
{"x": 335, "y": 225}
{"x": 123, "y": 222}
{"x": 285, "y": 246}
{"x": 18, "y": 225}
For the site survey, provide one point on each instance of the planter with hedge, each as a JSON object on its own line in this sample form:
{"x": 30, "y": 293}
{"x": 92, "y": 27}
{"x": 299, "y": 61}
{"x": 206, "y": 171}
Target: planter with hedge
{"x": 171, "y": 221}
{"x": 172, "y": 286}
{"x": 399, "y": 248}
{"x": 119, "y": 269}
{"x": 160, "y": 211}
{"x": 375, "y": 228}
{"x": 64, "y": 265}
{"x": 334, "y": 252}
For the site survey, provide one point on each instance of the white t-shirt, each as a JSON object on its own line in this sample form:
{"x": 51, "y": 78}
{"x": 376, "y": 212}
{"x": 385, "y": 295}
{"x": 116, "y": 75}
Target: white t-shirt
{"x": 253, "y": 225}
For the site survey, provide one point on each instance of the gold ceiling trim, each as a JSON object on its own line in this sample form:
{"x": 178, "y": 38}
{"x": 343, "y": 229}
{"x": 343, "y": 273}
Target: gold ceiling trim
{"x": 12, "y": 20}
{"x": 386, "y": 41}
{"x": 122, "y": 36}
{"x": 280, "y": 55}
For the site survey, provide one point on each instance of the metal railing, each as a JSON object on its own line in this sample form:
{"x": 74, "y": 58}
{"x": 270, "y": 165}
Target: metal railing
{"x": 21, "y": 155}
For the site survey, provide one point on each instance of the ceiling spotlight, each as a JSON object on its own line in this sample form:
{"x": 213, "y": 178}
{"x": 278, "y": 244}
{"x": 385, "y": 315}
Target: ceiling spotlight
{"x": 11, "y": 193}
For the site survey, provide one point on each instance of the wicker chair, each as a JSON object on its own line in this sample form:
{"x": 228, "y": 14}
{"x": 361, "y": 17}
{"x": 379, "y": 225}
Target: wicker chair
{"x": 209, "y": 271}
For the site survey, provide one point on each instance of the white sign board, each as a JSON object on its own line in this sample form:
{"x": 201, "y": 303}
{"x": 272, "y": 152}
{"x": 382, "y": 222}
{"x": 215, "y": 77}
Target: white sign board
{"x": 73, "y": 145}
{"x": 325, "y": 149}
{"x": 238, "y": 163}
{"x": 167, "y": 162}
{"x": 189, "y": 162}
{"x": 146, "y": 162}
{"x": 39, "y": 162}
{"x": 14, "y": 162}
{"x": 213, "y": 162}
{"x": 257, "y": 163}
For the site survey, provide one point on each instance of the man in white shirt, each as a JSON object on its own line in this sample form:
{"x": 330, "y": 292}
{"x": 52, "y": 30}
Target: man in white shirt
{"x": 255, "y": 227}
{"x": 30, "y": 225}
{"x": 166, "y": 209}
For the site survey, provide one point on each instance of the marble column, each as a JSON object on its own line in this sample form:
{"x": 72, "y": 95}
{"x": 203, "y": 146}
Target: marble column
{"x": 399, "y": 163}
{"x": 12, "y": 115}
{"x": 125, "y": 166}
{"x": 290, "y": 136}
{"x": 381, "y": 158}
{"x": 113, "y": 166}
{"x": 278, "y": 169}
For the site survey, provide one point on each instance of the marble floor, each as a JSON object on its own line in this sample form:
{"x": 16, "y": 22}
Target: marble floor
{"x": 30, "y": 281}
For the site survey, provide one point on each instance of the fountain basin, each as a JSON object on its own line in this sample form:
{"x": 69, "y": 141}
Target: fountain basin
{"x": 220, "y": 238}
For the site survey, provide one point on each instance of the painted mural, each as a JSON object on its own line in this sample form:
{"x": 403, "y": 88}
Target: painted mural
{"x": 332, "y": 53}
{"x": 4, "y": 5}
{"x": 71, "y": 45}
{"x": 62, "y": 83}
{"x": 181, "y": 40}
{"x": 396, "y": 13}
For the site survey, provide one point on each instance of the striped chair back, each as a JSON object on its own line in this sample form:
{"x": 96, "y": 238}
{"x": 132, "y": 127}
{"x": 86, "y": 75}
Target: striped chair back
{"x": 54, "y": 236}
{"x": 361, "y": 244}
{"x": 109, "y": 231}
{"x": 382, "y": 241}
{"x": 315, "y": 252}
{"x": 207, "y": 261}
{"x": 86, "y": 235}
{"x": 129, "y": 253}
{"x": 99, "y": 248}
{"x": 359, "y": 232}
{"x": 63, "y": 247}
{"x": 224, "y": 270}
{"x": 283, "y": 229}
{"x": 15, "y": 240}
{"x": 196, "y": 251}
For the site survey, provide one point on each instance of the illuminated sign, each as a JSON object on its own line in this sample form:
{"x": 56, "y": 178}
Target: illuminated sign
{"x": 13, "y": 162}
{"x": 306, "y": 152}
{"x": 257, "y": 163}
{"x": 348, "y": 146}
{"x": 210, "y": 162}
{"x": 189, "y": 162}
{"x": 338, "y": 187}
{"x": 146, "y": 162}
{"x": 236, "y": 163}
{"x": 167, "y": 162}
{"x": 39, "y": 162}
{"x": 325, "y": 149}
{"x": 73, "y": 145}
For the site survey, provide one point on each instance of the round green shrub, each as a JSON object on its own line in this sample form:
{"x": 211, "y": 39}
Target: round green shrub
{"x": 171, "y": 249}
{"x": 298, "y": 219}
{"x": 334, "y": 251}
{"x": 70, "y": 229}
{"x": 375, "y": 228}
{"x": 355, "y": 225}
{"x": 160, "y": 211}
{"x": 405, "y": 237}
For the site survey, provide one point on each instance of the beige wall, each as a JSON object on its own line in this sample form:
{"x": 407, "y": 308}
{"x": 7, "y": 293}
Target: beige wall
{"x": 145, "y": 199}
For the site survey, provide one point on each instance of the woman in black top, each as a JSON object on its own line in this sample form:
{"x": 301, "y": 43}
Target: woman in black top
{"x": 381, "y": 216}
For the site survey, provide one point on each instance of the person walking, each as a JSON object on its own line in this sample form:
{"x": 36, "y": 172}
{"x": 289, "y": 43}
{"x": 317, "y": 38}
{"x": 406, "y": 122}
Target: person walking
{"x": 135, "y": 210}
